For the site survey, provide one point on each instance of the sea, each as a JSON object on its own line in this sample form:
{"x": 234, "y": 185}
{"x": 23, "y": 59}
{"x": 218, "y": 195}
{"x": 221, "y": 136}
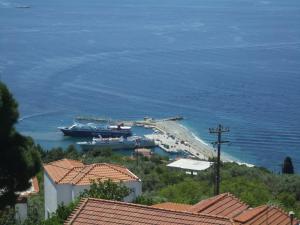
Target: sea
{"x": 229, "y": 62}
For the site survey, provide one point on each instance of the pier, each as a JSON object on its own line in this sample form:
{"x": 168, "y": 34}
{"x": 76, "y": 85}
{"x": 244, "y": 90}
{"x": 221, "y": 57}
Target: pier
{"x": 172, "y": 136}
{"x": 168, "y": 134}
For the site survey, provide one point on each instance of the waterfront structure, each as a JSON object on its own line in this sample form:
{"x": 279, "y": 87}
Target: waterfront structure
{"x": 145, "y": 152}
{"x": 21, "y": 205}
{"x": 173, "y": 137}
{"x": 65, "y": 179}
{"x": 223, "y": 209}
{"x": 190, "y": 166}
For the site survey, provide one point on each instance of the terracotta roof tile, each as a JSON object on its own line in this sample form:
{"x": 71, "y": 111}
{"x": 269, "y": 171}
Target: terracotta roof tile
{"x": 35, "y": 185}
{"x": 33, "y": 189}
{"x": 75, "y": 172}
{"x": 231, "y": 207}
{"x": 58, "y": 169}
{"x": 97, "y": 211}
{"x": 265, "y": 215}
{"x": 222, "y": 205}
{"x": 173, "y": 206}
{"x": 247, "y": 215}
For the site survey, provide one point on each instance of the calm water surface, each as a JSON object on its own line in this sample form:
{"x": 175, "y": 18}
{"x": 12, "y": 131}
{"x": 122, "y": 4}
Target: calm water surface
{"x": 225, "y": 61}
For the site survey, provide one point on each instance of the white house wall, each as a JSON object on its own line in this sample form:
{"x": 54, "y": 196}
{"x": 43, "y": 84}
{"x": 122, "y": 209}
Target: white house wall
{"x": 21, "y": 211}
{"x": 64, "y": 194}
{"x": 50, "y": 196}
{"x": 136, "y": 187}
{"x": 56, "y": 194}
{"x": 77, "y": 189}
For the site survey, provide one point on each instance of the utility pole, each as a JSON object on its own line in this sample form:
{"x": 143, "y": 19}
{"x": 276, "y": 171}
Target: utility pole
{"x": 138, "y": 144}
{"x": 292, "y": 214}
{"x": 219, "y": 130}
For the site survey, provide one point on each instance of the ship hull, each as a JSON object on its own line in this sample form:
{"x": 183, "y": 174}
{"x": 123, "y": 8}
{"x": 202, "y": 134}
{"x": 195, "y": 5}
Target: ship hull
{"x": 103, "y": 133}
{"x": 118, "y": 146}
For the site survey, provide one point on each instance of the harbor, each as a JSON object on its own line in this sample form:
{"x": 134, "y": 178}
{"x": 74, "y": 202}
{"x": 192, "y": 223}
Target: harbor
{"x": 169, "y": 135}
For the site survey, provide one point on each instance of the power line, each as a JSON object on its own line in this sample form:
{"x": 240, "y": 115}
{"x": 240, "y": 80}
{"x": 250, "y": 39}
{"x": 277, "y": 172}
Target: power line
{"x": 219, "y": 130}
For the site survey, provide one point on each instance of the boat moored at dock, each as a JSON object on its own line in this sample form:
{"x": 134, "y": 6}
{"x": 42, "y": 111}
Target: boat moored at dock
{"x": 92, "y": 130}
{"x": 117, "y": 143}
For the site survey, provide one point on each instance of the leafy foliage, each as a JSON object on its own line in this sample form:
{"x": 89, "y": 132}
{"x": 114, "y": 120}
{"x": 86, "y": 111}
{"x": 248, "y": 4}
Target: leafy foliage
{"x": 19, "y": 159}
{"x": 188, "y": 191}
{"x": 58, "y": 153}
{"x": 254, "y": 186}
{"x": 7, "y": 217}
{"x": 107, "y": 190}
{"x": 288, "y": 167}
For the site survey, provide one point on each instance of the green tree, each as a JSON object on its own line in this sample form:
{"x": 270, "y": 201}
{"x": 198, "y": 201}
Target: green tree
{"x": 53, "y": 155}
{"x": 144, "y": 200}
{"x": 7, "y": 217}
{"x": 19, "y": 159}
{"x": 188, "y": 191}
{"x": 72, "y": 153}
{"x": 61, "y": 214}
{"x": 107, "y": 152}
{"x": 107, "y": 190}
{"x": 288, "y": 167}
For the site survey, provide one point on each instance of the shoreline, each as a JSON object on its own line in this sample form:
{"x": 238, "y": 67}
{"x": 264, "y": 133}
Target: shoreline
{"x": 179, "y": 137}
{"x": 229, "y": 157}
{"x": 174, "y": 137}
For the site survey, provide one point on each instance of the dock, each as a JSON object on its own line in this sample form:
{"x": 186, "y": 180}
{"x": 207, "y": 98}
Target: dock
{"x": 170, "y": 135}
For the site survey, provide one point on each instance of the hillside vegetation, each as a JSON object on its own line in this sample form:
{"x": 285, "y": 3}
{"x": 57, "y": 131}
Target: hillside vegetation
{"x": 255, "y": 186}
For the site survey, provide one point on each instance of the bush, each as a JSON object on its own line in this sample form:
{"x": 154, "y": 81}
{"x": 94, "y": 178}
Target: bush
{"x": 106, "y": 190}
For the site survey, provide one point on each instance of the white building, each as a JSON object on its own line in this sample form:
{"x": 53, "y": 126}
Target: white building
{"x": 65, "y": 179}
{"x": 21, "y": 205}
{"x": 190, "y": 166}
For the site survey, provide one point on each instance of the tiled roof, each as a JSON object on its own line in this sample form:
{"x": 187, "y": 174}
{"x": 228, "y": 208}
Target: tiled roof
{"x": 264, "y": 215}
{"x": 173, "y": 206}
{"x": 58, "y": 169}
{"x": 74, "y": 172}
{"x": 33, "y": 189}
{"x": 35, "y": 185}
{"x": 222, "y": 205}
{"x": 98, "y": 211}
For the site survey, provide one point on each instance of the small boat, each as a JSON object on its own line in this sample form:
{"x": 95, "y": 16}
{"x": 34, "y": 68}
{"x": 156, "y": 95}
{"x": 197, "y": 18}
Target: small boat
{"x": 23, "y": 7}
{"x": 117, "y": 143}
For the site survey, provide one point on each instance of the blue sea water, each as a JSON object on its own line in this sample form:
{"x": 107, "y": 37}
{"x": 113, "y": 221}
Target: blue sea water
{"x": 235, "y": 62}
